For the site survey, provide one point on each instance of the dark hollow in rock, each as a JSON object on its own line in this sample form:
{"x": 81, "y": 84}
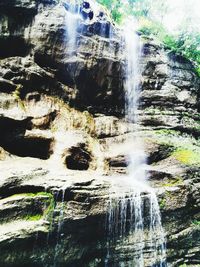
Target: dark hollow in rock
{"x": 7, "y": 49}
{"x": 18, "y": 245}
{"x": 34, "y": 96}
{"x": 10, "y": 127}
{"x": 163, "y": 152}
{"x": 15, "y": 19}
{"x": 79, "y": 158}
{"x": 86, "y": 11}
{"x": 35, "y": 147}
{"x": 86, "y": 14}
{"x": 15, "y": 187}
{"x": 195, "y": 132}
{"x": 96, "y": 96}
{"x": 119, "y": 161}
{"x": 101, "y": 14}
{"x": 160, "y": 176}
{"x": 153, "y": 122}
{"x": 12, "y": 139}
{"x": 179, "y": 58}
{"x": 86, "y": 4}
{"x": 6, "y": 86}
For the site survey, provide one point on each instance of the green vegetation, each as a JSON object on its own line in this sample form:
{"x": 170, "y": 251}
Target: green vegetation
{"x": 152, "y": 16}
{"x": 48, "y": 213}
{"x": 32, "y": 194}
{"x": 35, "y": 217}
{"x": 173, "y": 182}
{"x": 187, "y": 156}
{"x": 168, "y": 132}
{"x": 17, "y": 96}
{"x": 120, "y": 9}
{"x": 173, "y": 147}
{"x": 185, "y": 44}
{"x": 49, "y": 204}
{"x": 17, "y": 92}
{"x": 177, "y": 139}
{"x": 186, "y": 148}
{"x": 115, "y": 7}
{"x": 162, "y": 203}
{"x": 196, "y": 222}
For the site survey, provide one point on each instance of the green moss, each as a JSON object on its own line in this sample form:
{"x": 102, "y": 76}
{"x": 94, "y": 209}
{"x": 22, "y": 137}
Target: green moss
{"x": 174, "y": 182}
{"x": 183, "y": 265}
{"x": 48, "y": 213}
{"x": 162, "y": 203}
{"x": 185, "y": 148}
{"x": 49, "y": 205}
{"x": 35, "y": 217}
{"x": 32, "y": 194}
{"x": 168, "y": 132}
{"x": 196, "y": 222}
{"x": 153, "y": 111}
{"x": 17, "y": 96}
{"x": 39, "y": 194}
{"x": 186, "y": 156}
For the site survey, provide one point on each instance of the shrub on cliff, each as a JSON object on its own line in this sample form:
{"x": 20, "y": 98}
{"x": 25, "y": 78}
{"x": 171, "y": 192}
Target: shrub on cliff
{"x": 152, "y": 16}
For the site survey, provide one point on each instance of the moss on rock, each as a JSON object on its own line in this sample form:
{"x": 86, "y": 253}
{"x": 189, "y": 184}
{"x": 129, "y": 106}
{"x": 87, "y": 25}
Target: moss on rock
{"x": 187, "y": 156}
{"x": 36, "y": 205}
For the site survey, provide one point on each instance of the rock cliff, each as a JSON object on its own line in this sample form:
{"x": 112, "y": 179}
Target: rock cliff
{"x": 63, "y": 136}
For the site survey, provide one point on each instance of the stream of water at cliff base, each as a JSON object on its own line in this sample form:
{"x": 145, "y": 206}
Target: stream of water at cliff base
{"x": 135, "y": 234}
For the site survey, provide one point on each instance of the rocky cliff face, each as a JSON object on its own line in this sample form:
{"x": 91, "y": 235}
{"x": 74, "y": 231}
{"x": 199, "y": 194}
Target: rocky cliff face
{"x": 63, "y": 137}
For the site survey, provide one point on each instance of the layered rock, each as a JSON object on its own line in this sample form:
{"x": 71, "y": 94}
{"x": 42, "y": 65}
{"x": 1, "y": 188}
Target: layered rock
{"x": 63, "y": 137}
{"x": 48, "y": 63}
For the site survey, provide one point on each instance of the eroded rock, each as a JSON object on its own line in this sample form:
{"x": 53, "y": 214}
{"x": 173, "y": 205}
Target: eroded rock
{"x": 62, "y": 133}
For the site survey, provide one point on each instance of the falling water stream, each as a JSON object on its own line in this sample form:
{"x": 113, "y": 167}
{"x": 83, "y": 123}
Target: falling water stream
{"x": 135, "y": 237}
{"x": 134, "y": 230}
{"x": 72, "y": 19}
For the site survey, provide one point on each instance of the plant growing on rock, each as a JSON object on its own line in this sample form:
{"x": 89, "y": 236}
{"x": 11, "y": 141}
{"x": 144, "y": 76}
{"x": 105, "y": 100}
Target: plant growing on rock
{"x": 17, "y": 96}
{"x": 152, "y": 15}
{"x": 186, "y": 156}
{"x": 196, "y": 222}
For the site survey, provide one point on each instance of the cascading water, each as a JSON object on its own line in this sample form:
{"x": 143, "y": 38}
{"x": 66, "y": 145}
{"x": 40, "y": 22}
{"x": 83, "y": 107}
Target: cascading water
{"x": 134, "y": 229}
{"x": 135, "y": 234}
{"x": 72, "y": 20}
{"x": 59, "y": 232}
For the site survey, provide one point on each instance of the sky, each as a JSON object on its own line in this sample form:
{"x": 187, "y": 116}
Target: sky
{"x": 179, "y": 10}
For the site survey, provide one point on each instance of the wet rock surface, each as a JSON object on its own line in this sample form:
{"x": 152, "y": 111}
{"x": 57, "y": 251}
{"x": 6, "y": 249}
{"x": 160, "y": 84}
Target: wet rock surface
{"x": 63, "y": 137}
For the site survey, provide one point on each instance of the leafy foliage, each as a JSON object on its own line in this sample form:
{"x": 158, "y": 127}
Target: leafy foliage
{"x": 196, "y": 222}
{"x": 186, "y": 44}
{"x": 151, "y": 14}
{"x": 115, "y": 7}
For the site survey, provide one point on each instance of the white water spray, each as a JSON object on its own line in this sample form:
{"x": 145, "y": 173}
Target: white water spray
{"x": 134, "y": 223}
{"x": 72, "y": 20}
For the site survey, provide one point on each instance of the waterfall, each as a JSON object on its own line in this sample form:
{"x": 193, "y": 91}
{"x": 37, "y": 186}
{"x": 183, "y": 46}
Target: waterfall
{"x": 59, "y": 231}
{"x": 134, "y": 230}
{"x": 72, "y": 19}
{"x": 135, "y": 236}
